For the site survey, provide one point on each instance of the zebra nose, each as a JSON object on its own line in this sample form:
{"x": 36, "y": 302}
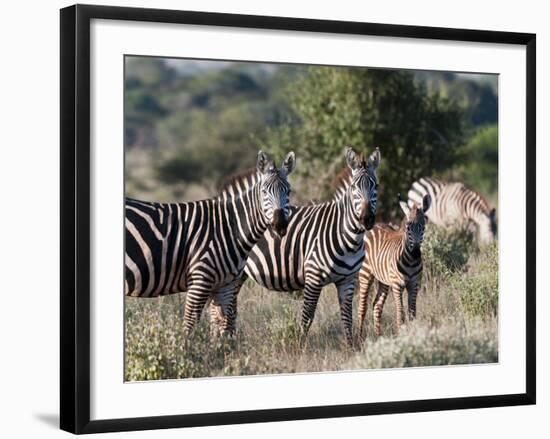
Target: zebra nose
{"x": 369, "y": 224}
{"x": 280, "y": 222}
{"x": 367, "y": 217}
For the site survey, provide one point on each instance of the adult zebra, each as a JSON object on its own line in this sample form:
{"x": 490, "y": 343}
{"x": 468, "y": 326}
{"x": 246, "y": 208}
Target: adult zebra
{"x": 201, "y": 247}
{"x": 323, "y": 245}
{"x": 455, "y": 204}
{"x": 393, "y": 257}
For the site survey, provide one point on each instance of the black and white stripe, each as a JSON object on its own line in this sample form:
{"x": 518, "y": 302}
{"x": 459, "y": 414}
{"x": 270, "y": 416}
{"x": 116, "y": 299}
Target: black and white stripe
{"x": 455, "y": 204}
{"x": 323, "y": 245}
{"x": 393, "y": 257}
{"x": 201, "y": 247}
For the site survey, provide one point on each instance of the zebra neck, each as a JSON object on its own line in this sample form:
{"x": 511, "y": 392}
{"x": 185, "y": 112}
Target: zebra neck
{"x": 349, "y": 224}
{"x": 410, "y": 260}
{"x": 245, "y": 215}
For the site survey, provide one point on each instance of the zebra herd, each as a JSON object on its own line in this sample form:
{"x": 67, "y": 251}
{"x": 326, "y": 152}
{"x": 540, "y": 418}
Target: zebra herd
{"x": 208, "y": 248}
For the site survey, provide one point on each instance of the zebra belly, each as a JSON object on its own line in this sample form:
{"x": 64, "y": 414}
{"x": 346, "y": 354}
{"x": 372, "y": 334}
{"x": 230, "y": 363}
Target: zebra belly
{"x": 388, "y": 277}
{"x": 272, "y": 281}
{"x": 286, "y": 275}
{"x": 276, "y": 264}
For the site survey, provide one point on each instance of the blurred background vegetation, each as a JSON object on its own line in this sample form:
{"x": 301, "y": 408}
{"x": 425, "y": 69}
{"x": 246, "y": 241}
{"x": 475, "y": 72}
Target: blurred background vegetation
{"x": 189, "y": 124}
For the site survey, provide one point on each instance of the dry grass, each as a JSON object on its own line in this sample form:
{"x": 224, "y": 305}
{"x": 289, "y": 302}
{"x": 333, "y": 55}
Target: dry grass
{"x": 456, "y": 324}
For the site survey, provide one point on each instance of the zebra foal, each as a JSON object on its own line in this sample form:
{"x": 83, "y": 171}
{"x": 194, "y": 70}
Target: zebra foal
{"x": 323, "y": 245}
{"x": 201, "y": 247}
{"x": 455, "y": 204}
{"x": 393, "y": 257}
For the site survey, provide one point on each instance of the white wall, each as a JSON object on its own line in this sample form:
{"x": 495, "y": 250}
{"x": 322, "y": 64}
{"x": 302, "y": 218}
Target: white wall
{"x": 30, "y": 204}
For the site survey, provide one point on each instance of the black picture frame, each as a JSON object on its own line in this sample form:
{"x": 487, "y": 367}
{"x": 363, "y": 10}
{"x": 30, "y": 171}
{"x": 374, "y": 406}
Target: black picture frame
{"x": 75, "y": 217}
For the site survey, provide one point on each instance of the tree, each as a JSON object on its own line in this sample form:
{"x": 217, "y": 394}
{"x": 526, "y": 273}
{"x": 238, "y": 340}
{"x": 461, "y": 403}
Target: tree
{"x": 481, "y": 169}
{"x": 417, "y": 133}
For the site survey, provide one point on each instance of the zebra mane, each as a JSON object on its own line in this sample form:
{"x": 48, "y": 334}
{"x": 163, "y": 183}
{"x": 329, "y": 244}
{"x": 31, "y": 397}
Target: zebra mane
{"x": 341, "y": 182}
{"x": 249, "y": 176}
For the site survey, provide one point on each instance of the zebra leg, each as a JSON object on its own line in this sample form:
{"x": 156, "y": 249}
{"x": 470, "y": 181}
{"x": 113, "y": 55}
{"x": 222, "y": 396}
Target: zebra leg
{"x": 223, "y": 310}
{"x": 311, "y": 297}
{"x": 397, "y": 292}
{"x": 345, "y": 298}
{"x": 365, "y": 282}
{"x": 195, "y": 300}
{"x": 378, "y": 306}
{"x": 412, "y": 289}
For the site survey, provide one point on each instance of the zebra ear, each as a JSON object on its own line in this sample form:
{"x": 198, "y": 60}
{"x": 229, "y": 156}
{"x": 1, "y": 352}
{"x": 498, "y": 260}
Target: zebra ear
{"x": 262, "y": 162}
{"x": 493, "y": 214}
{"x": 290, "y": 163}
{"x": 374, "y": 159}
{"x": 404, "y": 207}
{"x": 352, "y": 158}
{"x": 426, "y": 202}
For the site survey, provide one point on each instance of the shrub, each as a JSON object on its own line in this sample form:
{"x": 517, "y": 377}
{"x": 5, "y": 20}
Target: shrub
{"x": 480, "y": 171}
{"x": 422, "y": 345}
{"x": 158, "y": 348}
{"x": 478, "y": 291}
{"x": 446, "y": 251}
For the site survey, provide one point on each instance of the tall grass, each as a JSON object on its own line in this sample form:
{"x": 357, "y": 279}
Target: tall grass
{"x": 456, "y": 324}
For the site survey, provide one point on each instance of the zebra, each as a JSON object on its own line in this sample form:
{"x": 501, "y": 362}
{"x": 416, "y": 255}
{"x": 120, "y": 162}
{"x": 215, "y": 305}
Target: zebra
{"x": 393, "y": 257}
{"x": 201, "y": 247}
{"x": 323, "y": 245}
{"x": 455, "y": 204}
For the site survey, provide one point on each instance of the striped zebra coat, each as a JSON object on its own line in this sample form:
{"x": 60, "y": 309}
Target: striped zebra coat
{"x": 453, "y": 204}
{"x": 323, "y": 245}
{"x": 201, "y": 247}
{"x": 393, "y": 257}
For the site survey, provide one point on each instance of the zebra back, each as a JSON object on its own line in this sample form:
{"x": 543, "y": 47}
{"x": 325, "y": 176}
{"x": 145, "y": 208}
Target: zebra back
{"x": 454, "y": 204}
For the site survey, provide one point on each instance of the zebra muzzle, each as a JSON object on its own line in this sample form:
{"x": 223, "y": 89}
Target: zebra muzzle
{"x": 280, "y": 222}
{"x": 367, "y": 217}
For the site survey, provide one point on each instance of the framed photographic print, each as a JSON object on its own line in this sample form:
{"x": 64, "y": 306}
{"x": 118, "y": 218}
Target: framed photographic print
{"x": 268, "y": 218}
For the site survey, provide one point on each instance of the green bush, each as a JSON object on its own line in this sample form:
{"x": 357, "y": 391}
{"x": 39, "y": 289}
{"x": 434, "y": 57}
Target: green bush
{"x": 480, "y": 169}
{"x": 446, "y": 251}
{"x": 422, "y": 345}
{"x": 478, "y": 291}
{"x": 157, "y": 347}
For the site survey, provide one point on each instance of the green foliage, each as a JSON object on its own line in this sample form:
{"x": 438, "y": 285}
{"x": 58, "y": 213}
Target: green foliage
{"x": 479, "y": 291}
{"x": 453, "y": 262}
{"x": 210, "y": 145}
{"x": 157, "y": 347}
{"x": 147, "y": 71}
{"x": 480, "y": 170}
{"x": 417, "y": 133}
{"x": 478, "y": 98}
{"x": 446, "y": 251}
{"x": 201, "y": 126}
{"x": 201, "y": 121}
{"x": 421, "y": 345}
